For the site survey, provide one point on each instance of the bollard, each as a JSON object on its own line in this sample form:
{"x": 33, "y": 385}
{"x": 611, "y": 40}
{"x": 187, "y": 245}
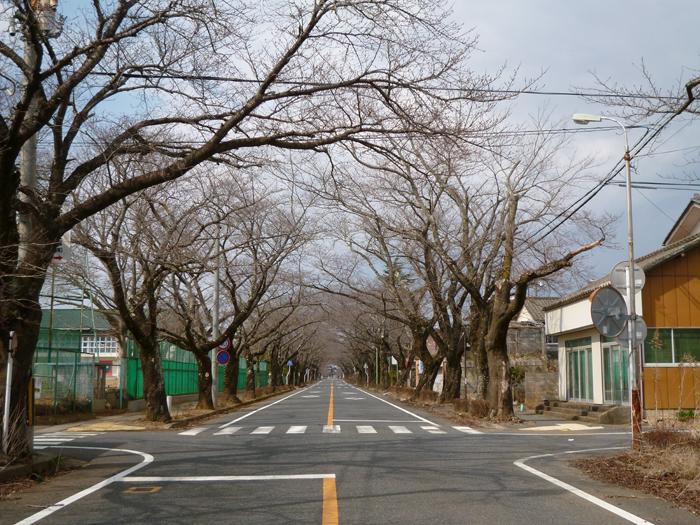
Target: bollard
{"x": 169, "y": 402}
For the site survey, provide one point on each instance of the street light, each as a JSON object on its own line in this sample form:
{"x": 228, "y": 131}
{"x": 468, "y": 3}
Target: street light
{"x": 634, "y": 358}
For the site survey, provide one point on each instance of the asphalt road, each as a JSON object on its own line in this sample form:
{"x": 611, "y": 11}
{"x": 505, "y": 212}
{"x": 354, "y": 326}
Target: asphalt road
{"x": 330, "y": 454}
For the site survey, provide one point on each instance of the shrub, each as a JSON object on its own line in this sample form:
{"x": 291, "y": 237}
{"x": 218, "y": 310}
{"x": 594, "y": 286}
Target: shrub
{"x": 478, "y": 408}
{"x": 685, "y": 415}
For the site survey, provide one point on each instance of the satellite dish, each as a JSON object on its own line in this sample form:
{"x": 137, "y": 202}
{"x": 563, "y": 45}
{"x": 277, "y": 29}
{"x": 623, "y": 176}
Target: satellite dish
{"x": 640, "y": 333}
{"x": 608, "y": 311}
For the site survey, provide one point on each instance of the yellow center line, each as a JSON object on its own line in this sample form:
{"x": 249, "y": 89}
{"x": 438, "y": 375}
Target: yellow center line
{"x": 329, "y": 419}
{"x": 330, "y": 501}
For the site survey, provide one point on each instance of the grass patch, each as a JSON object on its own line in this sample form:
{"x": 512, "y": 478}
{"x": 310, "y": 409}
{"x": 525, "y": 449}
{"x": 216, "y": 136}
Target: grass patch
{"x": 667, "y": 466}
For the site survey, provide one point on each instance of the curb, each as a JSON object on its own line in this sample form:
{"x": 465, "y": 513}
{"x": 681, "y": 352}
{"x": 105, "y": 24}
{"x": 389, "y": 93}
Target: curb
{"x": 41, "y": 463}
{"x": 193, "y": 419}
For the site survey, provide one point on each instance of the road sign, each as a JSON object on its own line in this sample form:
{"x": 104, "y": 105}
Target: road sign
{"x": 366, "y": 366}
{"x": 608, "y": 311}
{"x": 62, "y": 251}
{"x": 618, "y": 277}
{"x": 225, "y": 345}
{"x": 640, "y": 333}
{"x": 223, "y": 357}
{"x": 290, "y": 363}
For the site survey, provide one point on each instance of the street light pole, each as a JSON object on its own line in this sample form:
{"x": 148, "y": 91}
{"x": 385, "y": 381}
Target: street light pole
{"x": 634, "y": 360}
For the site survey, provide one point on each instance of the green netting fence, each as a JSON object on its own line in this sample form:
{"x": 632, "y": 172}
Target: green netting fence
{"x": 64, "y": 377}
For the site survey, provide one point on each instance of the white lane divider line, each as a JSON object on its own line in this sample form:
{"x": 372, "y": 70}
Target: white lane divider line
{"x": 366, "y": 429}
{"x": 432, "y": 429}
{"x": 396, "y": 407}
{"x": 467, "y": 430}
{"x": 310, "y": 396}
{"x": 147, "y": 458}
{"x": 192, "y": 432}
{"x": 227, "y": 431}
{"x": 578, "y": 492}
{"x": 353, "y": 398}
{"x": 262, "y": 408}
{"x": 297, "y": 429}
{"x": 331, "y": 429}
{"x": 262, "y": 430}
{"x": 399, "y": 429}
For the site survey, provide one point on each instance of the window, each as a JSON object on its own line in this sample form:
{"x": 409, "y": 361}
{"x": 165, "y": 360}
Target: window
{"x": 686, "y": 345}
{"x": 672, "y": 345}
{"x": 100, "y": 344}
{"x": 658, "y": 347}
{"x": 579, "y": 369}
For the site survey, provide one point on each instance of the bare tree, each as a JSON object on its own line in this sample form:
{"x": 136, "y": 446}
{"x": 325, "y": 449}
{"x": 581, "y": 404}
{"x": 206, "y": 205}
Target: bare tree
{"x": 301, "y": 76}
{"x": 251, "y": 234}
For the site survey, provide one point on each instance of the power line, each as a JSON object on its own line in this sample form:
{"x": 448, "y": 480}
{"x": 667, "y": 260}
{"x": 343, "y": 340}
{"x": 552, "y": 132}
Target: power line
{"x": 563, "y": 216}
{"x": 308, "y": 84}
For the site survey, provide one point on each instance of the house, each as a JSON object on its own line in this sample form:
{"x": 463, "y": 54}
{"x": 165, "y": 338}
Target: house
{"x": 526, "y": 333}
{"x": 594, "y": 368}
{"x": 80, "y": 335}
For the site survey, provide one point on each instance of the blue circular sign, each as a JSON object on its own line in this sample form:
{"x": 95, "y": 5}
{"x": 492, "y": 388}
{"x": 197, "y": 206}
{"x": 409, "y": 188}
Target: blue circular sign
{"x": 223, "y": 357}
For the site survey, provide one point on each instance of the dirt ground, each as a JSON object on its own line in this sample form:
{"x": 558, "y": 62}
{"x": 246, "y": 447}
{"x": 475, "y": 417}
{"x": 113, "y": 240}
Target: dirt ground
{"x": 11, "y": 489}
{"x": 667, "y": 466}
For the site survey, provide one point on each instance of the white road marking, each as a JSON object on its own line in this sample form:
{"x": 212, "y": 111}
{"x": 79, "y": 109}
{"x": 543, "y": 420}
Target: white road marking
{"x": 296, "y": 429}
{"x": 147, "y": 458}
{"x": 52, "y": 439}
{"x": 398, "y": 407}
{"x": 227, "y": 431}
{"x": 308, "y": 397}
{"x": 262, "y": 408}
{"x": 192, "y": 432}
{"x": 399, "y": 430}
{"x": 433, "y": 429}
{"x": 467, "y": 430}
{"x": 331, "y": 429}
{"x": 262, "y": 430}
{"x": 157, "y": 479}
{"x": 578, "y": 492}
{"x": 365, "y": 429}
{"x": 353, "y": 398}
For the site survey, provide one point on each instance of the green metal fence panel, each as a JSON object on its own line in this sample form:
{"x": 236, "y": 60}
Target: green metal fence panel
{"x": 180, "y": 372}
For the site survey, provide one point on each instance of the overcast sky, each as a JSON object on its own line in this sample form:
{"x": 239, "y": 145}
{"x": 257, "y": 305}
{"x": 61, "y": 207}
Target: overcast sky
{"x": 571, "y": 40}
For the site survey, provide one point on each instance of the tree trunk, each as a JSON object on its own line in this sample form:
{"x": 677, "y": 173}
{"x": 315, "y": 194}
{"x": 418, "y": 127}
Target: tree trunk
{"x": 204, "y": 381}
{"x": 500, "y": 393}
{"x": 153, "y": 382}
{"x": 275, "y": 373}
{"x": 478, "y": 326}
{"x": 452, "y": 381}
{"x": 250, "y": 377}
{"x": 231, "y": 379}
{"x": 431, "y": 371}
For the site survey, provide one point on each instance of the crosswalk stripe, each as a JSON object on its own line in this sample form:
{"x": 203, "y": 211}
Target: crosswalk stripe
{"x": 227, "y": 431}
{"x": 262, "y": 430}
{"x": 432, "y": 429}
{"x": 399, "y": 430}
{"x": 192, "y": 431}
{"x": 366, "y": 429}
{"x": 467, "y": 430}
{"x": 296, "y": 429}
{"x": 331, "y": 429}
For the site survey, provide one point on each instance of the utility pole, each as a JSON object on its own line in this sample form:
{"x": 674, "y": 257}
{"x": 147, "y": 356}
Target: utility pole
{"x": 215, "y": 318}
